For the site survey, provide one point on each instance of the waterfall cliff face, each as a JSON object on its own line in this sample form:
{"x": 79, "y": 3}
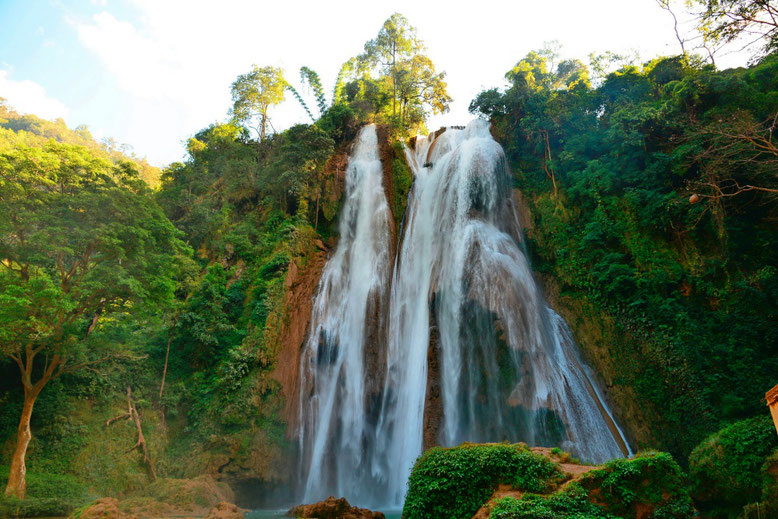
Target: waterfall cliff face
{"x": 462, "y": 292}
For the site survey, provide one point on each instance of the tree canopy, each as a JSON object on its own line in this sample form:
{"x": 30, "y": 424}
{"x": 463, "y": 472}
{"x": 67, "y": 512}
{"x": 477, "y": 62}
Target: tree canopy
{"x": 254, "y": 92}
{"x": 82, "y": 245}
{"x": 397, "y": 78}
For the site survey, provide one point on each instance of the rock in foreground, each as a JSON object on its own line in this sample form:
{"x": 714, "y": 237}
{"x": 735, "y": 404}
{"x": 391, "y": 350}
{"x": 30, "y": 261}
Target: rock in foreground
{"x": 225, "y": 510}
{"x": 105, "y": 508}
{"x": 332, "y": 508}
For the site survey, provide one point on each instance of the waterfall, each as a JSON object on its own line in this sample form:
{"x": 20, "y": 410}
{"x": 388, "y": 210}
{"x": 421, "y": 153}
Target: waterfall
{"x": 346, "y": 328}
{"x": 463, "y": 295}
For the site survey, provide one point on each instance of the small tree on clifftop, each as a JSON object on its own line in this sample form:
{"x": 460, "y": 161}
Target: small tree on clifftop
{"x": 255, "y": 92}
{"x": 397, "y": 54}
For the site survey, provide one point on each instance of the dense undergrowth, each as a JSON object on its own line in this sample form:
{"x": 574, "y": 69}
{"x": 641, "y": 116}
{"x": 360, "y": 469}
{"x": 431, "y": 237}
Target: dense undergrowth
{"x": 52, "y": 495}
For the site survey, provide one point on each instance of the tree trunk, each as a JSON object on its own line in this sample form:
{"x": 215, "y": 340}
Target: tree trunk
{"x": 316, "y": 218}
{"x": 17, "y": 479}
{"x": 394, "y": 80}
{"x": 140, "y": 445}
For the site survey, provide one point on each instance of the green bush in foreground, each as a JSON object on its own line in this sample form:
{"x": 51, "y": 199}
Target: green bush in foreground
{"x": 455, "y": 482}
{"x": 725, "y": 469}
{"x": 47, "y": 495}
{"x": 768, "y": 506}
{"x": 571, "y": 503}
{"x": 650, "y": 481}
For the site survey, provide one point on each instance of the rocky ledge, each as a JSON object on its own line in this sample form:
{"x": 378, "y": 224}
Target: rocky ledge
{"x": 332, "y": 508}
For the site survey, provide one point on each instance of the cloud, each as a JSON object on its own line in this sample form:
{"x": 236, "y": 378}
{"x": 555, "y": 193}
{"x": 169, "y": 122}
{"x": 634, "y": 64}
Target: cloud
{"x": 29, "y": 97}
{"x": 174, "y": 61}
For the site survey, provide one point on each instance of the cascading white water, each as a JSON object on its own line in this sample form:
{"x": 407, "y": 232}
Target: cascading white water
{"x": 335, "y": 437}
{"x": 462, "y": 291}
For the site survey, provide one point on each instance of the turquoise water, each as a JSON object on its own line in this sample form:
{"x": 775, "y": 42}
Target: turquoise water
{"x": 278, "y": 514}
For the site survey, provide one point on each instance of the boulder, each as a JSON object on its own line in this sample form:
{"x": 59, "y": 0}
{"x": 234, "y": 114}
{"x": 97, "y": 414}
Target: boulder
{"x": 225, "y": 510}
{"x": 332, "y": 508}
{"x": 104, "y": 508}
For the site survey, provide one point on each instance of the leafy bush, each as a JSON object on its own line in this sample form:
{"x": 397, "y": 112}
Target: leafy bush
{"x": 456, "y": 482}
{"x": 725, "y": 468}
{"x": 340, "y": 122}
{"x": 649, "y": 480}
{"x": 571, "y": 503}
{"x": 768, "y": 507}
{"x": 47, "y": 495}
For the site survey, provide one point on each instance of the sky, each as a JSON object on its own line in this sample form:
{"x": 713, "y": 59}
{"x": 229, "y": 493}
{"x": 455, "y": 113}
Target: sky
{"x": 151, "y": 73}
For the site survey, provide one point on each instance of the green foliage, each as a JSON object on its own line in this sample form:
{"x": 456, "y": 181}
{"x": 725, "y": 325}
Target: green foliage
{"x": 394, "y": 81}
{"x": 340, "y": 122}
{"x": 725, "y": 469}
{"x": 27, "y": 130}
{"x": 768, "y": 506}
{"x": 255, "y": 92}
{"x": 82, "y": 242}
{"x": 300, "y": 100}
{"x": 570, "y": 503}
{"x": 310, "y": 76}
{"x": 47, "y": 495}
{"x": 248, "y": 209}
{"x": 726, "y": 21}
{"x": 87, "y": 255}
{"x": 608, "y": 172}
{"x": 456, "y": 482}
{"x": 402, "y": 179}
{"x": 649, "y": 480}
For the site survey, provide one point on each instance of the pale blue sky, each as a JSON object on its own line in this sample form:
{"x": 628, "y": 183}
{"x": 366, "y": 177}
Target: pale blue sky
{"x": 150, "y": 73}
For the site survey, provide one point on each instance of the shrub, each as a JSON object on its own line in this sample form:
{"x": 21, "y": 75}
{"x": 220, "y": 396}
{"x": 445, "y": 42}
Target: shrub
{"x": 571, "y": 503}
{"x": 651, "y": 481}
{"x": 47, "y": 495}
{"x": 456, "y": 482}
{"x": 725, "y": 468}
{"x": 768, "y": 507}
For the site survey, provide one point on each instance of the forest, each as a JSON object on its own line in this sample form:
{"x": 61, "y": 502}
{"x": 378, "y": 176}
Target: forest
{"x": 147, "y": 314}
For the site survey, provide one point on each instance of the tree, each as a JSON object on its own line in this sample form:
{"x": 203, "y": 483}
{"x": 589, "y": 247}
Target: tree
{"x": 82, "y": 245}
{"x": 725, "y": 21}
{"x": 398, "y": 56}
{"x": 299, "y": 165}
{"x": 255, "y": 92}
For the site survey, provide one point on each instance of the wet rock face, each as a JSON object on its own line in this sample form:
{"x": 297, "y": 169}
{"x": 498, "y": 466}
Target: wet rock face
{"x": 332, "y": 508}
